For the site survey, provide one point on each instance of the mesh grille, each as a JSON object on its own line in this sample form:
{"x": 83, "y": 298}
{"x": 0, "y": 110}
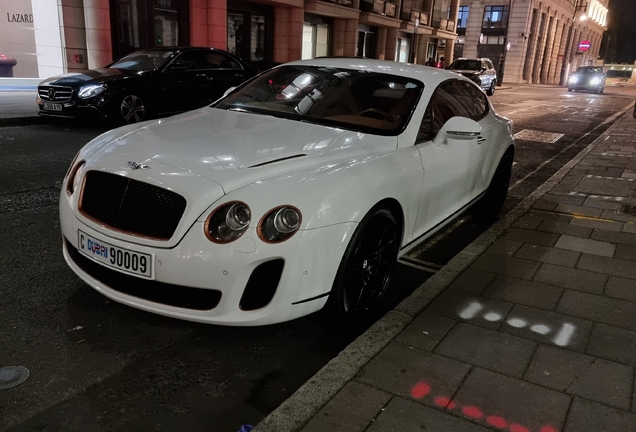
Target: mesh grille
{"x": 131, "y": 206}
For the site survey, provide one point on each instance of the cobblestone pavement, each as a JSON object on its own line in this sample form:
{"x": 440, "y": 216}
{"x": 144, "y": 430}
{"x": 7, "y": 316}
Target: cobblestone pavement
{"x": 532, "y": 328}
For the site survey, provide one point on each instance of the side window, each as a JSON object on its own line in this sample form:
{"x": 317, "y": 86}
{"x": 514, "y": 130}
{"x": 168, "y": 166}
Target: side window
{"x": 452, "y": 98}
{"x": 191, "y": 60}
{"x": 216, "y": 60}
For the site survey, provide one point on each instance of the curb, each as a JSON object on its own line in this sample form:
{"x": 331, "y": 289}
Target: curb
{"x": 300, "y": 407}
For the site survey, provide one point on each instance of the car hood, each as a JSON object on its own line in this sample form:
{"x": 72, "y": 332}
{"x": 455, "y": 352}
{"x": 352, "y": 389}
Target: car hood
{"x": 89, "y": 76}
{"x": 231, "y": 148}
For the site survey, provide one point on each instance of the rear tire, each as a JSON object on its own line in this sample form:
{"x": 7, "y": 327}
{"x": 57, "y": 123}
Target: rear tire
{"x": 366, "y": 268}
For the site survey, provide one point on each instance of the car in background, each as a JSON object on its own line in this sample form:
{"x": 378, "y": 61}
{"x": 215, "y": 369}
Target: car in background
{"x": 481, "y": 71}
{"x": 295, "y": 192}
{"x": 589, "y": 78}
{"x": 144, "y": 84}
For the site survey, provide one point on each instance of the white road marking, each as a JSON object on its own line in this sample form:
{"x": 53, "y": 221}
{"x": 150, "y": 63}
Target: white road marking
{"x": 492, "y": 317}
{"x": 564, "y": 335}
{"x": 541, "y": 329}
{"x": 471, "y": 310}
{"x": 516, "y": 322}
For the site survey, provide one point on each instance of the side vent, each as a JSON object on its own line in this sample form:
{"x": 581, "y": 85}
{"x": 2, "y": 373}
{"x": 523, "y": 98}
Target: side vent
{"x": 277, "y": 160}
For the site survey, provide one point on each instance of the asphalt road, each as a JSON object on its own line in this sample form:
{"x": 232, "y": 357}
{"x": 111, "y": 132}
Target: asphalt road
{"x": 97, "y": 365}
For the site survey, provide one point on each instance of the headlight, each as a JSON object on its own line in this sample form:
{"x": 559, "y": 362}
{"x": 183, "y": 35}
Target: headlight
{"x": 279, "y": 224}
{"x": 91, "y": 90}
{"x": 595, "y": 81}
{"x": 228, "y": 222}
{"x": 74, "y": 177}
{"x": 573, "y": 79}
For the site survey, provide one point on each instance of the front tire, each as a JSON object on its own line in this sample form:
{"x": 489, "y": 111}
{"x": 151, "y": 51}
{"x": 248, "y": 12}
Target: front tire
{"x": 366, "y": 268}
{"x": 492, "y": 202}
{"x": 132, "y": 109}
{"x": 491, "y": 90}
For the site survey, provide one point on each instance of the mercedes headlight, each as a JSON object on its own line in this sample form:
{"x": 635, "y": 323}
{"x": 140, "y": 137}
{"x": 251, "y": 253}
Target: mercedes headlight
{"x": 279, "y": 224}
{"x": 90, "y": 91}
{"x": 573, "y": 79}
{"x": 228, "y": 222}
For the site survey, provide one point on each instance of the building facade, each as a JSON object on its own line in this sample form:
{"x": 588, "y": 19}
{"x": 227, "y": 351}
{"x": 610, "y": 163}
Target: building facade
{"x": 48, "y": 37}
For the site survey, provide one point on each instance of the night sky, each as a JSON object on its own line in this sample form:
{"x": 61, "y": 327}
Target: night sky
{"x": 622, "y": 31}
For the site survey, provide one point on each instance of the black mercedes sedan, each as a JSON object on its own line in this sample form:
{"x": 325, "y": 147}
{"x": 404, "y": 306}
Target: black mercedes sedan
{"x": 144, "y": 84}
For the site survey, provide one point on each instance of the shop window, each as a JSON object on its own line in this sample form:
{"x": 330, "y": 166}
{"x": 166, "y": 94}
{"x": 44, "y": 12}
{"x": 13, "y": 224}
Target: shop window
{"x": 250, "y": 33}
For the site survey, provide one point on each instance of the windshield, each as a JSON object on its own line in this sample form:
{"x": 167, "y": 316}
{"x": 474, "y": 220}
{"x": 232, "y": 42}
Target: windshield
{"x": 466, "y": 64}
{"x": 590, "y": 70}
{"x": 142, "y": 60}
{"x": 352, "y": 99}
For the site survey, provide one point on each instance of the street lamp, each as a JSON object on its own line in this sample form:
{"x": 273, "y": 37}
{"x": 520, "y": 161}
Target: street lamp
{"x": 569, "y": 52}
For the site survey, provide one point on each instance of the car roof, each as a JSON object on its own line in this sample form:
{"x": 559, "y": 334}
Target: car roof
{"x": 426, "y": 74}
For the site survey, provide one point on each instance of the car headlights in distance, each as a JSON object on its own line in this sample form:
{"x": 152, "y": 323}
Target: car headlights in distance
{"x": 90, "y": 91}
{"x": 573, "y": 79}
{"x": 595, "y": 81}
{"x": 228, "y": 222}
{"x": 279, "y": 224}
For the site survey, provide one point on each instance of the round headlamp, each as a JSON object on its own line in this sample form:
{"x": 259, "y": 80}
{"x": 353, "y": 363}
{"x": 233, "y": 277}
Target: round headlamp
{"x": 228, "y": 222}
{"x": 279, "y": 224}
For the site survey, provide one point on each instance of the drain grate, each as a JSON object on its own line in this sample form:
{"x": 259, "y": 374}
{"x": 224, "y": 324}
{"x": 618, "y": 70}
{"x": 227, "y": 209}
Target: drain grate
{"x": 539, "y": 136}
{"x": 627, "y": 209}
{"x": 12, "y": 376}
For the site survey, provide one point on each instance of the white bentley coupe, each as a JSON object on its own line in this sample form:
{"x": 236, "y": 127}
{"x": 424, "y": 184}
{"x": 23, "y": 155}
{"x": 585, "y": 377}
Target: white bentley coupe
{"x": 294, "y": 192}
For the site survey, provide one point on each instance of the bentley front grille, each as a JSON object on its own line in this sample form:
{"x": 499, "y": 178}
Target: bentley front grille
{"x": 131, "y": 206}
{"x": 55, "y": 93}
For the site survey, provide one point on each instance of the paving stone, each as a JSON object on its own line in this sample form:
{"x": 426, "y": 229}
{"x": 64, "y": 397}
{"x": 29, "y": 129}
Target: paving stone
{"x": 602, "y": 309}
{"x": 351, "y": 410}
{"x": 556, "y": 368}
{"x": 609, "y": 266}
{"x": 626, "y": 252}
{"x": 524, "y": 292}
{"x": 520, "y": 403}
{"x": 531, "y": 236}
{"x": 402, "y": 370}
{"x": 473, "y": 281}
{"x": 544, "y": 204}
{"x": 586, "y": 416}
{"x": 425, "y": 331}
{"x": 614, "y": 237}
{"x": 578, "y": 210}
{"x": 595, "y": 247}
{"x": 600, "y": 203}
{"x": 567, "y": 198}
{"x": 505, "y": 247}
{"x": 548, "y": 327}
{"x": 629, "y": 228}
{"x": 618, "y": 216}
{"x": 478, "y": 310}
{"x": 613, "y": 343}
{"x": 567, "y": 258}
{"x": 606, "y": 382}
{"x": 602, "y": 224}
{"x": 401, "y": 415}
{"x": 489, "y": 349}
{"x": 509, "y": 266}
{"x": 579, "y": 280}
{"x": 565, "y": 228}
{"x": 604, "y": 186}
{"x": 621, "y": 288}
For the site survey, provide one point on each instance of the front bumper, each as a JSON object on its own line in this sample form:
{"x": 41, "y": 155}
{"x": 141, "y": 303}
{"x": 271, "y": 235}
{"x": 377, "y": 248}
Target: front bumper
{"x": 311, "y": 259}
{"x": 97, "y": 107}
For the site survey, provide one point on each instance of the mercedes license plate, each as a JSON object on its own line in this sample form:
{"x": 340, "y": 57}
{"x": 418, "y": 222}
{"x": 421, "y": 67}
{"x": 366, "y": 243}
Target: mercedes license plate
{"x": 52, "y": 106}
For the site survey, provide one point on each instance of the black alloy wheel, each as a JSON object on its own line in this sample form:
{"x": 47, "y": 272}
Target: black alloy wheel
{"x": 132, "y": 109}
{"x": 366, "y": 267}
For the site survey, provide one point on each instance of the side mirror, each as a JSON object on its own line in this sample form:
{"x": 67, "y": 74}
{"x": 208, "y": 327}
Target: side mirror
{"x": 458, "y": 128}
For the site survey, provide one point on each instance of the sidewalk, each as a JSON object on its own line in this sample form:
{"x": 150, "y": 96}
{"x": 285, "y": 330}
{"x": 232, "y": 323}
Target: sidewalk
{"x": 531, "y": 328}
{"x": 18, "y": 107}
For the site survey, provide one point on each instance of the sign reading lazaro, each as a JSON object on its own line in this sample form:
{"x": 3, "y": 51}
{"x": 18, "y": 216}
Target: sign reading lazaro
{"x": 20, "y": 18}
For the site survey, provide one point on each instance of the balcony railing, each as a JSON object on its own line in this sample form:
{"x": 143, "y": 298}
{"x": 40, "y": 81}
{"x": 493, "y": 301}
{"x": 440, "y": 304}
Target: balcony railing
{"x": 379, "y": 7}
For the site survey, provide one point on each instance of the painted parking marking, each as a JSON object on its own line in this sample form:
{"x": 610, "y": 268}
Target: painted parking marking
{"x": 606, "y": 197}
{"x": 424, "y": 389}
{"x": 609, "y": 178}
